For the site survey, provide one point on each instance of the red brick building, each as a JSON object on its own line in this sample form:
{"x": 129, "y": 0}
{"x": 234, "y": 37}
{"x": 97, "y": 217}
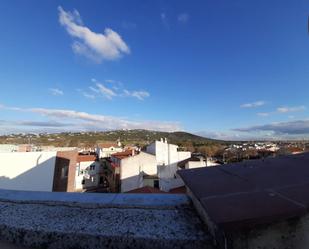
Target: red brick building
{"x": 64, "y": 174}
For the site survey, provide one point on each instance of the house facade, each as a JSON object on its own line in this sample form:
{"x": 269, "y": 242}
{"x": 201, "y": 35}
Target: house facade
{"x": 38, "y": 171}
{"x": 105, "y": 150}
{"x": 131, "y": 169}
{"x": 87, "y": 172}
{"x": 167, "y": 157}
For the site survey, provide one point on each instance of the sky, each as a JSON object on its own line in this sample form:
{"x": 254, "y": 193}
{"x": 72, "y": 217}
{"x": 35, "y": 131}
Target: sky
{"x": 222, "y": 69}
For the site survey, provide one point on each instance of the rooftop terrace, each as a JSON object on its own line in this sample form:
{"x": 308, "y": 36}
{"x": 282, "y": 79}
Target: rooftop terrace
{"x": 73, "y": 220}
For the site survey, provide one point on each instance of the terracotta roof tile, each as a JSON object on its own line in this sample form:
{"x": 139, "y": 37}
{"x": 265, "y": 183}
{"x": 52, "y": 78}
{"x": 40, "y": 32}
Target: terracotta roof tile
{"x": 146, "y": 190}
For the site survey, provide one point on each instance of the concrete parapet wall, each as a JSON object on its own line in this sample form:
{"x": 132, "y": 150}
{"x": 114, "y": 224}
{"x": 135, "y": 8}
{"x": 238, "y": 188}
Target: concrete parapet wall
{"x": 74, "y": 220}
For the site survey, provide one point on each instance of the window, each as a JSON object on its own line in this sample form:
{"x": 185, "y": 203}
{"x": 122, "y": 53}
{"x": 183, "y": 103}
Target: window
{"x": 83, "y": 181}
{"x": 92, "y": 167}
{"x": 64, "y": 171}
{"x": 156, "y": 183}
{"x": 101, "y": 179}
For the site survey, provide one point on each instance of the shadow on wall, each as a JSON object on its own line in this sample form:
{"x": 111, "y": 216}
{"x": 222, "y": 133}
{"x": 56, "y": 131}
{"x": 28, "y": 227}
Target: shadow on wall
{"x": 169, "y": 178}
{"x": 61, "y": 174}
{"x": 38, "y": 178}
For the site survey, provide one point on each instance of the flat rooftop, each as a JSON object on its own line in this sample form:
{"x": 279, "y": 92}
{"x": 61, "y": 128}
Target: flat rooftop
{"x": 74, "y": 220}
{"x": 243, "y": 195}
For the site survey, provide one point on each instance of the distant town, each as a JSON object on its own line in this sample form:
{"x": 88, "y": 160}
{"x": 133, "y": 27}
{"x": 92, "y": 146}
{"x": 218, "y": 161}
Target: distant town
{"x": 131, "y": 161}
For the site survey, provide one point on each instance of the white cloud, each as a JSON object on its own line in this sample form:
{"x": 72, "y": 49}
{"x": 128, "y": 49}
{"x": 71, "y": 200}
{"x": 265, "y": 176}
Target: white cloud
{"x": 183, "y": 17}
{"x": 141, "y": 95}
{"x": 298, "y": 127}
{"x": 115, "y": 89}
{"x": 105, "y": 91}
{"x": 291, "y": 109}
{"x": 163, "y": 16}
{"x": 96, "y": 46}
{"x": 89, "y": 96}
{"x": 253, "y": 104}
{"x": 86, "y": 121}
{"x": 56, "y": 91}
{"x": 94, "y": 89}
{"x": 263, "y": 114}
{"x": 164, "y": 19}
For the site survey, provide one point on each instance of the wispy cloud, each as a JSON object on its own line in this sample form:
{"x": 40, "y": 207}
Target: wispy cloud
{"x": 253, "y": 104}
{"x": 164, "y": 19}
{"x": 94, "y": 89}
{"x": 49, "y": 123}
{"x": 96, "y": 46}
{"x": 114, "y": 88}
{"x": 105, "y": 91}
{"x": 56, "y": 91}
{"x": 163, "y": 16}
{"x": 297, "y": 127}
{"x": 86, "y": 121}
{"x": 88, "y": 95}
{"x": 183, "y": 17}
{"x": 263, "y": 114}
{"x": 282, "y": 110}
{"x": 141, "y": 95}
{"x": 291, "y": 109}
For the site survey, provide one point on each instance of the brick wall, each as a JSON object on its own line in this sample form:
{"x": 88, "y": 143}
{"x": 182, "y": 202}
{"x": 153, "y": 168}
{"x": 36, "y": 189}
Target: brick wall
{"x": 64, "y": 179}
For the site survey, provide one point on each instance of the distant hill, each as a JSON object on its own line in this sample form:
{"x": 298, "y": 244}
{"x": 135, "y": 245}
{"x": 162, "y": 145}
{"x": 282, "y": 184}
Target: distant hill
{"x": 141, "y": 137}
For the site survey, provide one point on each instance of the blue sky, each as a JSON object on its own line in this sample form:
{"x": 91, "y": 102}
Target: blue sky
{"x": 225, "y": 69}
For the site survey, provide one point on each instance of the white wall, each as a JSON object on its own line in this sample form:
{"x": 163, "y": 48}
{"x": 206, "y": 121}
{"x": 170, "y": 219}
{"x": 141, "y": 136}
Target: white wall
{"x": 4, "y": 148}
{"x": 132, "y": 169}
{"x": 167, "y": 153}
{"x": 195, "y": 164}
{"x": 107, "y": 152}
{"x": 32, "y": 171}
{"x": 83, "y": 172}
{"x": 211, "y": 163}
{"x": 168, "y": 156}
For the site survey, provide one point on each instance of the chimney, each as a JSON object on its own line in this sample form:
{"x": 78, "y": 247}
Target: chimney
{"x": 161, "y": 139}
{"x": 165, "y": 140}
{"x": 133, "y": 152}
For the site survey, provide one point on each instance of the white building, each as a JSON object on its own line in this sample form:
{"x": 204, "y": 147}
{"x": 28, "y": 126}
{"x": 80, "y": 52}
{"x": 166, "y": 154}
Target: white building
{"x": 87, "y": 172}
{"x": 107, "y": 149}
{"x": 133, "y": 168}
{"x": 53, "y": 148}
{"x": 8, "y": 148}
{"x": 33, "y": 171}
{"x": 196, "y": 162}
{"x": 167, "y": 157}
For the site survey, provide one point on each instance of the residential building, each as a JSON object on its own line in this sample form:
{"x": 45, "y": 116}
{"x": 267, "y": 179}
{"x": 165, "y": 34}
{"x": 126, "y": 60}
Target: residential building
{"x": 8, "y": 148}
{"x": 167, "y": 156}
{"x": 192, "y": 163}
{"x": 64, "y": 172}
{"x": 104, "y": 150}
{"x": 25, "y": 148}
{"x": 38, "y": 171}
{"x": 87, "y": 175}
{"x": 130, "y": 168}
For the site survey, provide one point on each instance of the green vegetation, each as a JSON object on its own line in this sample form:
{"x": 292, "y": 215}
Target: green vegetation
{"x": 135, "y": 137}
